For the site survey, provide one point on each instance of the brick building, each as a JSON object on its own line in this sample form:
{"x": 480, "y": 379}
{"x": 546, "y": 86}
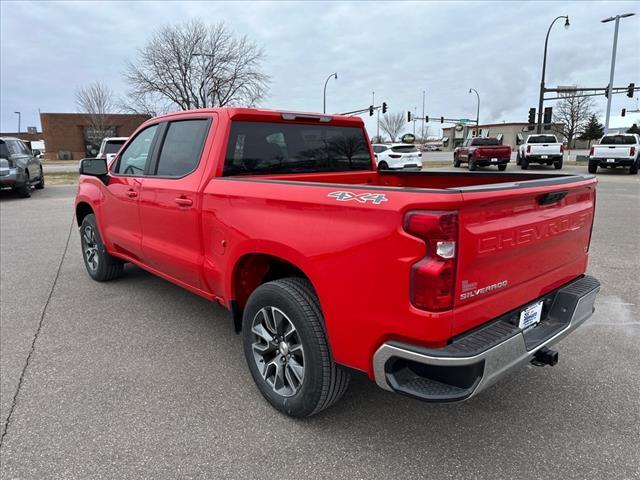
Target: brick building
{"x": 64, "y": 133}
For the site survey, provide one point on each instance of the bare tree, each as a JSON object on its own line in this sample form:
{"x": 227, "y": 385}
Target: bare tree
{"x": 192, "y": 65}
{"x": 98, "y": 102}
{"x": 392, "y": 123}
{"x": 573, "y": 113}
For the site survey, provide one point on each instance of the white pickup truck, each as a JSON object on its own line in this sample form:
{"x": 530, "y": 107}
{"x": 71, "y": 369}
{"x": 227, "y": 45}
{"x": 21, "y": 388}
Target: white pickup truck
{"x": 543, "y": 149}
{"x": 619, "y": 150}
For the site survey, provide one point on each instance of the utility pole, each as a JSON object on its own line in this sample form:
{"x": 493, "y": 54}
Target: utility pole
{"x": 324, "y": 96}
{"x": 423, "y": 95}
{"x": 19, "y": 116}
{"x": 613, "y": 64}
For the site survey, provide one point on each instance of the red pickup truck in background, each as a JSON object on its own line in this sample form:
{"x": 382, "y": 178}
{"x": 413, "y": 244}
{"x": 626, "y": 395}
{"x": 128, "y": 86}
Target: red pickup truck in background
{"x": 433, "y": 284}
{"x": 482, "y": 152}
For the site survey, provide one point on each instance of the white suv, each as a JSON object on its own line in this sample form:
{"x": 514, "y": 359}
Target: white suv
{"x": 397, "y": 155}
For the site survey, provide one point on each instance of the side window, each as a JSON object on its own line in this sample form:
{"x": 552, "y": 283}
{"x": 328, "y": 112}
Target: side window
{"x": 24, "y": 150}
{"x": 13, "y": 147}
{"x": 134, "y": 157}
{"x": 182, "y": 147}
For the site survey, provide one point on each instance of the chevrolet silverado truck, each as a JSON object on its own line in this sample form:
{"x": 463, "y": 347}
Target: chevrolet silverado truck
{"x": 433, "y": 284}
{"x": 542, "y": 149}
{"x": 620, "y": 150}
{"x": 481, "y": 152}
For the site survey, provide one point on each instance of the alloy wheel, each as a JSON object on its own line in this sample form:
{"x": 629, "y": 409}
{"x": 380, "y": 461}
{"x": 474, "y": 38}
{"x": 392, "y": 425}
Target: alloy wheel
{"x": 90, "y": 247}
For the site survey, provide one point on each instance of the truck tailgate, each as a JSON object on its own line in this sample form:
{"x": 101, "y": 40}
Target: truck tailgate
{"x": 612, "y": 151}
{"x": 545, "y": 149}
{"x": 518, "y": 244}
{"x": 493, "y": 152}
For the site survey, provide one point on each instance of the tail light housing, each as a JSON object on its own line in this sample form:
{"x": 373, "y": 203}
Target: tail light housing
{"x": 632, "y": 151}
{"x": 591, "y": 151}
{"x": 394, "y": 155}
{"x": 433, "y": 277}
{"x": 528, "y": 148}
{"x": 561, "y": 148}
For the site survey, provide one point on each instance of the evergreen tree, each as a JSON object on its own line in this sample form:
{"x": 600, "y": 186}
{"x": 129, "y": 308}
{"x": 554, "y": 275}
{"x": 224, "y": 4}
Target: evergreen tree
{"x": 634, "y": 129}
{"x": 593, "y": 130}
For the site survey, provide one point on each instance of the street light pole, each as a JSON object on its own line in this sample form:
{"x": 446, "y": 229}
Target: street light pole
{"x": 19, "y": 116}
{"x": 477, "y": 111}
{"x": 613, "y": 63}
{"x": 423, "y": 94}
{"x": 544, "y": 68}
{"x": 324, "y": 102}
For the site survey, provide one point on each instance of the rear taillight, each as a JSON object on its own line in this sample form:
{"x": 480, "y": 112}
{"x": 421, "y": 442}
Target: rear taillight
{"x": 632, "y": 151}
{"x": 528, "y": 148}
{"x": 591, "y": 151}
{"x": 561, "y": 148}
{"x": 394, "y": 155}
{"x": 433, "y": 277}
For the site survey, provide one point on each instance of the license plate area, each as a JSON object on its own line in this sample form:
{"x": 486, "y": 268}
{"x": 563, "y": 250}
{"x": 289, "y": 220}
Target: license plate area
{"x": 611, "y": 160}
{"x": 544, "y": 157}
{"x": 530, "y": 316}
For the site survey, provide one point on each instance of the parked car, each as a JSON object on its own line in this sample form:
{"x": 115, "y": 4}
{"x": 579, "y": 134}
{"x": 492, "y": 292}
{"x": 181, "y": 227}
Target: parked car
{"x": 482, "y": 152}
{"x": 542, "y": 149}
{"x": 397, "y": 155}
{"x": 620, "y": 150}
{"x": 434, "y": 284}
{"x": 110, "y": 147}
{"x": 20, "y": 169}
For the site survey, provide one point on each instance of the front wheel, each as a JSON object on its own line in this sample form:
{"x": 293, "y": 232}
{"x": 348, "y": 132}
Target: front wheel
{"x": 286, "y": 348}
{"x": 593, "y": 167}
{"x": 456, "y": 161}
{"x": 100, "y": 265}
{"x": 518, "y": 159}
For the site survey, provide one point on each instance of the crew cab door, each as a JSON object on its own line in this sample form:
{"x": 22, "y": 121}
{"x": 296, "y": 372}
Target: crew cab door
{"x": 170, "y": 203}
{"x": 120, "y": 215}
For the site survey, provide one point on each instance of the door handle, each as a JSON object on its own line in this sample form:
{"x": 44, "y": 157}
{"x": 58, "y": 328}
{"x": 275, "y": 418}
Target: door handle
{"x": 132, "y": 194}
{"x": 184, "y": 201}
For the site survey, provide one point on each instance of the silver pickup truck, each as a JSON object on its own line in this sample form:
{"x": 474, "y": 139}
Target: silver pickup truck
{"x": 620, "y": 150}
{"x": 542, "y": 149}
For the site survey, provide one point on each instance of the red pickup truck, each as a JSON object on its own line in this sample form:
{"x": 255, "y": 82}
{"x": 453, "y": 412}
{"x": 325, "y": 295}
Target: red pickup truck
{"x": 434, "y": 284}
{"x": 482, "y": 152}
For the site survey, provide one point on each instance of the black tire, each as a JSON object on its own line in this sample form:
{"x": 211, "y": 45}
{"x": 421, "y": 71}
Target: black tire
{"x": 593, "y": 167}
{"x": 40, "y": 184}
{"x": 518, "y": 159}
{"x": 456, "y": 161}
{"x": 383, "y": 166}
{"x": 105, "y": 267}
{"x": 633, "y": 169}
{"x": 524, "y": 163}
{"x": 323, "y": 382}
{"x": 24, "y": 191}
{"x": 558, "y": 164}
{"x": 502, "y": 167}
{"x": 472, "y": 164}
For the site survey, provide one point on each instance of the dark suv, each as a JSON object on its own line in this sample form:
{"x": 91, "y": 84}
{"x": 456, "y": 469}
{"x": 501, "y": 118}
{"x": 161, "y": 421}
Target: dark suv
{"x": 19, "y": 168}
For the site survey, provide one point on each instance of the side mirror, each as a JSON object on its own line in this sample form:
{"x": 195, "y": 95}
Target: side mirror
{"x": 96, "y": 167}
{"x": 36, "y": 153}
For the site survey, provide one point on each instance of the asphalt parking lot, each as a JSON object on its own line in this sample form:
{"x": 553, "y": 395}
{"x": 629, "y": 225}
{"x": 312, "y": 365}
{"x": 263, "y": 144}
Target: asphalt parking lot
{"x": 138, "y": 378}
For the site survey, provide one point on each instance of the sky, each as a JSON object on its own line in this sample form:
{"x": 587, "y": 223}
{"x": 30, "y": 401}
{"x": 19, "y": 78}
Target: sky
{"x": 397, "y": 49}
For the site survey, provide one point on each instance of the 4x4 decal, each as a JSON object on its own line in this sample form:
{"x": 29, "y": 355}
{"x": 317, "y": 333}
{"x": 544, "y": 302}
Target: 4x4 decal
{"x": 375, "y": 198}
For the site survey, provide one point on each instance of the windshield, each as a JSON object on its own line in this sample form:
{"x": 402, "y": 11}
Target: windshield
{"x": 618, "y": 140}
{"x": 542, "y": 139}
{"x": 260, "y": 147}
{"x": 113, "y": 146}
{"x": 486, "y": 142}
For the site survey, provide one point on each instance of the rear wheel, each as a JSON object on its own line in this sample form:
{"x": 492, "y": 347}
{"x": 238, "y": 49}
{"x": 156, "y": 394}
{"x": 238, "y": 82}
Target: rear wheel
{"x": 502, "y": 167}
{"x": 524, "y": 163}
{"x": 456, "y": 161}
{"x": 40, "y": 184}
{"x": 472, "y": 164}
{"x": 101, "y": 266}
{"x": 286, "y": 348}
{"x": 518, "y": 159}
{"x": 557, "y": 164}
{"x": 593, "y": 167}
{"x": 24, "y": 191}
{"x": 633, "y": 169}
{"x": 383, "y": 166}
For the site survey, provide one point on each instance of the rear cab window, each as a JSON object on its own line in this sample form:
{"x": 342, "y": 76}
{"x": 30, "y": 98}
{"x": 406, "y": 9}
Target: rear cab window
{"x": 618, "y": 140}
{"x": 485, "y": 142}
{"x": 113, "y": 146}
{"x": 543, "y": 139}
{"x": 271, "y": 147}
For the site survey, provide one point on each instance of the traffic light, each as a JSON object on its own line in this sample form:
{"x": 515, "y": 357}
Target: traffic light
{"x": 547, "y": 117}
{"x": 384, "y": 107}
{"x": 426, "y": 119}
{"x": 624, "y": 112}
{"x": 630, "y": 89}
{"x": 606, "y": 91}
{"x": 371, "y": 110}
{"x": 532, "y": 116}
{"x": 441, "y": 119}
{"x": 409, "y": 116}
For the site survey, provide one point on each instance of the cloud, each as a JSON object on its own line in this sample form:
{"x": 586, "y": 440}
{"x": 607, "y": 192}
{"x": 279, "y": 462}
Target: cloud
{"x": 397, "y": 49}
